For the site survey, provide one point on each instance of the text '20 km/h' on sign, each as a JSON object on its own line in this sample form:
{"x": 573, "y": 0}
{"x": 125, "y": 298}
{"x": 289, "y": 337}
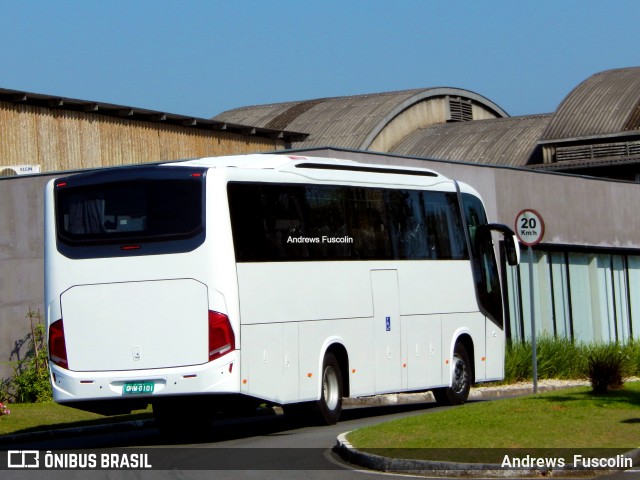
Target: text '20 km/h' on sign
{"x": 529, "y": 227}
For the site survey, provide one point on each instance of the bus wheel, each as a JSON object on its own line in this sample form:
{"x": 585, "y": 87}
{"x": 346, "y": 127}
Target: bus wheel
{"x": 325, "y": 411}
{"x": 458, "y": 392}
{"x": 330, "y": 403}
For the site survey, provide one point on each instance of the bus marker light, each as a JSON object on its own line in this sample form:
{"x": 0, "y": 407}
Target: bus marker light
{"x": 309, "y": 374}
{"x": 483, "y": 358}
{"x": 190, "y": 376}
{"x": 231, "y": 367}
{"x": 244, "y": 381}
{"x": 130, "y": 247}
{"x": 353, "y": 370}
{"x": 446, "y": 362}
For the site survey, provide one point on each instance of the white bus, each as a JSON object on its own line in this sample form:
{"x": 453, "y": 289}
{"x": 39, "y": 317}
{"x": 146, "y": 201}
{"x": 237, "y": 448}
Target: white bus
{"x": 288, "y": 280}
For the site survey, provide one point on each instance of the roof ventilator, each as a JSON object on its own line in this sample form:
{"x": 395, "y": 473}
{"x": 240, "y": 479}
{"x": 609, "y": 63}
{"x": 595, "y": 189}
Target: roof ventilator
{"x": 459, "y": 110}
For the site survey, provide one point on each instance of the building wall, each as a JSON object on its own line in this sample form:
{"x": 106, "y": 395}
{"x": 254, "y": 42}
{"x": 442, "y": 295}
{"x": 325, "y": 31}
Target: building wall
{"x": 578, "y": 211}
{"x": 422, "y": 114}
{"x": 21, "y": 263}
{"x": 60, "y": 139}
{"x": 587, "y": 296}
{"x": 587, "y": 268}
{"x": 430, "y": 111}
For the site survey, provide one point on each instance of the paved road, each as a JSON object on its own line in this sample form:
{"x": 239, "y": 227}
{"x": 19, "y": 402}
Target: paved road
{"x": 265, "y": 448}
{"x": 268, "y": 447}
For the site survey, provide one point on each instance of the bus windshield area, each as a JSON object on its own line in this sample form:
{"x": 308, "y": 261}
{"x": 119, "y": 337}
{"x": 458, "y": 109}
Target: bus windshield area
{"x": 485, "y": 269}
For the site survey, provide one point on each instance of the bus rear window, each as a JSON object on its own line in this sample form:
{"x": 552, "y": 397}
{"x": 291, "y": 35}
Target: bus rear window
{"x": 139, "y": 210}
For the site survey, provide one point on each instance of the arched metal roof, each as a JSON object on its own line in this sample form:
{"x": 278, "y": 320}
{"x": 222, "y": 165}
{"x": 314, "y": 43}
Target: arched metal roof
{"x": 605, "y": 103}
{"x": 347, "y": 122}
{"x": 416, "y": 122}
{"x": 503, "y": 141}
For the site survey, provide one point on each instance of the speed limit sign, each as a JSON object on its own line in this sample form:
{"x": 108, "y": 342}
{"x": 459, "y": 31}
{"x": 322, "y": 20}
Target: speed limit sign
{"x": 530, "y": 230}
{"x": 529, "y": 227}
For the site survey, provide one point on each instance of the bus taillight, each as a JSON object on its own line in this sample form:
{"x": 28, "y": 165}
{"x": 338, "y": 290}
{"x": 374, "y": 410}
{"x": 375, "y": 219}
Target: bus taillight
{"x": 221, "y": 337}
{"x": 57, "y": 345}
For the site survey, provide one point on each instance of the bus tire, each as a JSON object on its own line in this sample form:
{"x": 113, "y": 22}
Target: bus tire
{"x": 326, "y": 410}
{"x": 458, "y": 392}
{"x": 330, "y": 404}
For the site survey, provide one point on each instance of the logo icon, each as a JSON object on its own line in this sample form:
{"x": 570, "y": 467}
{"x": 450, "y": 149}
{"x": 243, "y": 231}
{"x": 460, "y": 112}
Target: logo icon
{"x": 23, "y": 459}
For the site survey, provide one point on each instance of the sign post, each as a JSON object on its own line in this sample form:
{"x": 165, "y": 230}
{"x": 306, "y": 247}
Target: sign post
{"x": 530, "y": 230}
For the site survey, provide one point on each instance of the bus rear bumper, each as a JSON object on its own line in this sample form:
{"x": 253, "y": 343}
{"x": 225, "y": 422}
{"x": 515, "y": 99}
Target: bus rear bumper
{"x": 142, "y": 386}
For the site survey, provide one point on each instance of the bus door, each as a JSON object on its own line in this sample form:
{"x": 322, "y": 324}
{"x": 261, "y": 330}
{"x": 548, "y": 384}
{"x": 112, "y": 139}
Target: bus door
{"x": 487, "y": 280}
{"x": 387, "y": 338}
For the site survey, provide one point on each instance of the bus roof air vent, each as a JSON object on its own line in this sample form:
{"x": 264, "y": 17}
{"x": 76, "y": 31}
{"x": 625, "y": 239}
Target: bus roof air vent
{"x": 367, "y": 169}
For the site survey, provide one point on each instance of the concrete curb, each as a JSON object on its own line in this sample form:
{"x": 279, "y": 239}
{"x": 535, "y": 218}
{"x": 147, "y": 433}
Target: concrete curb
{"x": 480, "y": 393}
{"x": 456, "y": 469}
{"x": 432, "y": 468}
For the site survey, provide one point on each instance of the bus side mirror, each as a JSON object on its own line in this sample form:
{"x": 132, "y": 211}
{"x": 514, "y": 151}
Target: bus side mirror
{"x": 511, "y": 245}
{"x": 512, "y": 250}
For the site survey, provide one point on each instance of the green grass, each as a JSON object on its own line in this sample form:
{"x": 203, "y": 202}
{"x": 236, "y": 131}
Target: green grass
{"x": 570, "y": 419}
{"x": 32, "y": 417}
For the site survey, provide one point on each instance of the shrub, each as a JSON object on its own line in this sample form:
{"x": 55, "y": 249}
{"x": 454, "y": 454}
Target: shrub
{"x": 30, "y": 382}
{"x": 557, "y": 358}
{"x": 518, "y": 365}
{"x": 603, "y": 364}
{"x": 607, "y": 366}
{"x": 632, "y": 350}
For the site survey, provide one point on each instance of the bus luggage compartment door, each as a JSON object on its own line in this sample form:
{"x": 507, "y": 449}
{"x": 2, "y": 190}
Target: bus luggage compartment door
{"x": 136, "y": 325}
{"x": 387, "y": 334}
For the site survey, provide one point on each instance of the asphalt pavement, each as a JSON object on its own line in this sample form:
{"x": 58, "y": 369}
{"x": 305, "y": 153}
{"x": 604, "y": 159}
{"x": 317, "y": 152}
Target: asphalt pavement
{"x": 363, "y": 459}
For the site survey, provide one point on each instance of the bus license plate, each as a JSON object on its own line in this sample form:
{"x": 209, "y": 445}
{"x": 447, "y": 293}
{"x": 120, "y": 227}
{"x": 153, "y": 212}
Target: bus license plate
{"x": 136, "y": 388}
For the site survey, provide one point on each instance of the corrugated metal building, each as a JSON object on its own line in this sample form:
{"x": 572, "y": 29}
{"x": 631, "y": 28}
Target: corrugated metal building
{"x": 375, "y": 122}
{"x": 587, "y": 270}
{"x": 594, "y": 131}
{"x": 504, "y": 141}
{"x": 43, "y": 133}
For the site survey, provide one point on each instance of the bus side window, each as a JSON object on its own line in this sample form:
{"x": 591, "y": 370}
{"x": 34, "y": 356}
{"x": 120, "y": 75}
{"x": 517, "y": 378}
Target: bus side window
{"x": 444, "y": 226}
{"x": 407, "y": 225}
{"x": 326, "y": 217}
{"x": 368, "y": 223}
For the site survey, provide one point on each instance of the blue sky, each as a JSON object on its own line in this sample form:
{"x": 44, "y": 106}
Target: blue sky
{"x": 200, "y": 58}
